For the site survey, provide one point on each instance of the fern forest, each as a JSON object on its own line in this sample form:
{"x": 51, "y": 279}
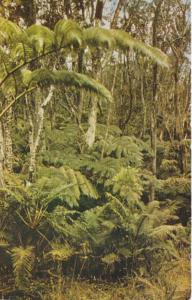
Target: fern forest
{"x": 95, "y": 149}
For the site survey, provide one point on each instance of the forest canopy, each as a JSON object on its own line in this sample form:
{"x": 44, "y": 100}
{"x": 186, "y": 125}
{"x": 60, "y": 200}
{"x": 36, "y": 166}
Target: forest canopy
{"x": 95, "y": 149}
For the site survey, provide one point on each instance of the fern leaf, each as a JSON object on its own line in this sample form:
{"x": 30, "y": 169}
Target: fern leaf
{"x": 70, "y": 79}
{"x": 68, "y": 33}
{"x": 9, "y": 31}
{"x": 23, "y": 259}
{"x": 40, "y": 37}
{"x": 60, "y": 252}
{"x": 121, "y": 40}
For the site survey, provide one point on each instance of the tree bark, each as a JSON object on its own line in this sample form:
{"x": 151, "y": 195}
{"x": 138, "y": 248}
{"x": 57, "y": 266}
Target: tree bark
{"x": 2, "y": 157}
{"x": 154, "y": 103}
{"x": 29, "y": 12}
{"x": 144, "y": 106}
{"x": 117, "y": 12}
{"x": 8, "y": 144}
{"x": 35, "y": 134}
{"x": 91, "y": 132}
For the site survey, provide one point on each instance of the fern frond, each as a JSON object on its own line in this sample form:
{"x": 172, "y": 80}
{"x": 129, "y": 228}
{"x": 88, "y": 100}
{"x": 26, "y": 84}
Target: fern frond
{"x": 124, "y": 41}
{"x": 65, "y": 184}
{"x": 68, "y": 33}
{"x": 4, "y": 243}
{"x": 40, "y": 37}
{"x": 127, "y": 184}
{"x": 9, "y": 31}
{"x": 99, "y": 37}
{"x": 110, "y": 258}
{"x": 121, "y": 40}
{"x": 69, "y": 79}
{"x": 164, "y": 231}
{"x": 60, "y": 252}
{"x": 23, "y": 259}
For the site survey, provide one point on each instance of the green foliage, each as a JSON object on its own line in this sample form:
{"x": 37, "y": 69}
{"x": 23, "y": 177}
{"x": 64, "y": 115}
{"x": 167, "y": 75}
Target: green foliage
{"x": 40, "y": 38}
{"x": 9, "y": 31}
{"x": 173, "y": 186}
{"x": 126, "y": 184}
{"x": 60, "y": 252}
{"x": 68, "y": 33}
{"x": 47, "y": 77}
{"x": 64, "y": 184}
{"x": 118, "y": 39}
{"x": 23, "y": 259}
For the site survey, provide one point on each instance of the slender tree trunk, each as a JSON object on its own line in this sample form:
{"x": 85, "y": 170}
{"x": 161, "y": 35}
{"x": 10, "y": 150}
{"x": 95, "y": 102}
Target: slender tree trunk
{"x": 177, "y": 134}
{"x": 90, "y": 134}
{"x": 154, "y": 104}
{"x": 29, "y": 11}
{"x": 117, "y": 12}
{"x": 2, "y": 181}
{"x": 36, "y": 131}
{"x": 80, "y": 93}
{"x": 144, "y": 107}
{"x": 8, "y": 144}
{"x": 109, "y": 112}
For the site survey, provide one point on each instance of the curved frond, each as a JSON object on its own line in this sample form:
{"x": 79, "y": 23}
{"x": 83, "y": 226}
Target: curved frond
{"x": 60, "y": 252}
{"x": 68, "y": 33}
{"x": 99, "y": 37}
{"x": 69, "y": 79}
{"x": 121, "y": 40}
{"x": 125, "y": 41}
{"x": 8, "y": 30}
{"x": 41, "y": 37}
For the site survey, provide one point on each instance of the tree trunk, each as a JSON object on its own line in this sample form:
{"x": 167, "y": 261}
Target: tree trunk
{"x": 154, "y": 104}
{"x": 36, "y": 130}
{"x": 8, "y": 145}
{"x": 80, "y": 93}
{"x": 90, "y": 134}
{"x": 2, "y": 181}
{"x": 117, "y": 12}
{"x": 144, "y": 107}
{"x": 29, "y": 12}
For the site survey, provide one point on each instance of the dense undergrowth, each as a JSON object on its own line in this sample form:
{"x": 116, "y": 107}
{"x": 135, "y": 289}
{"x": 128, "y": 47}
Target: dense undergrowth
{"x": 89, "y": 217}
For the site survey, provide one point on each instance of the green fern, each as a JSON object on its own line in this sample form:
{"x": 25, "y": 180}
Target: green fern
{"x": 4, "y": 242}
{"x": 127, "y": 184}
{"x": 60, "y": 252}
{"x": 23, "y": 259}
{"x": 68, "y": 33}
{"x": 65, "y": 184}
{"x": 110, "y": 258}
{"x": 9, "y": 31}
{"x": 69, "y": 79}
{"x": 40, "y": 38}
{"x": 118, "y": 39}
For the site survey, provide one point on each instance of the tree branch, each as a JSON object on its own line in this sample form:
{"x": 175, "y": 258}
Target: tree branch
{"x": 14, "y": 100}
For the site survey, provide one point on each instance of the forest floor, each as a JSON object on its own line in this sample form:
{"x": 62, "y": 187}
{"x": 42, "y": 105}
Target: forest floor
{"x": 172, "y": 285}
